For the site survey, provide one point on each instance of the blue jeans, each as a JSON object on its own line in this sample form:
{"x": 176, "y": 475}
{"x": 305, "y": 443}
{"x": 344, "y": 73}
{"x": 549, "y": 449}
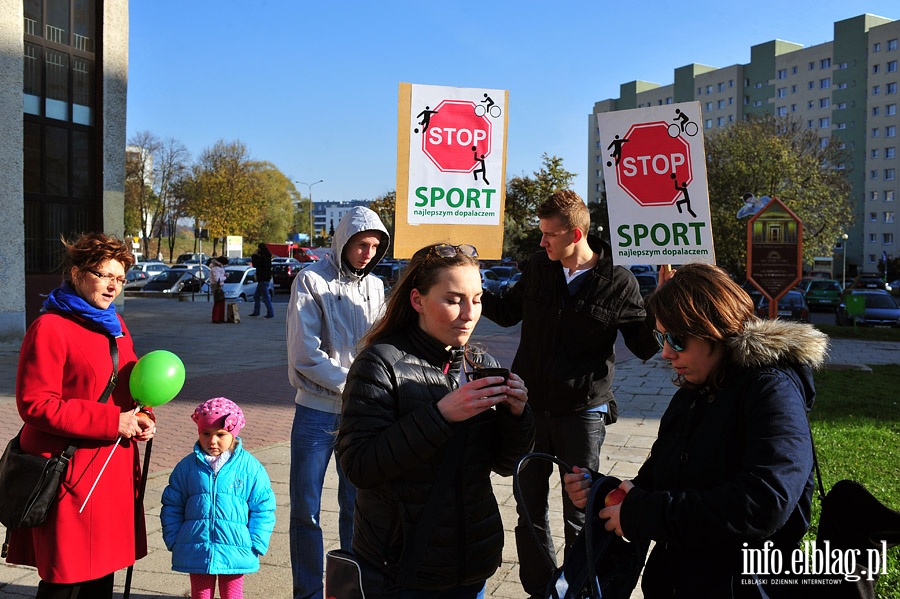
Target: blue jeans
{"x": 262, "y": 293}
{"x": 312, "y": 445}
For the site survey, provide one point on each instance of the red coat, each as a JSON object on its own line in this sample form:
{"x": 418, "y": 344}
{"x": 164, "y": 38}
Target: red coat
{"x": 63, "y": 369}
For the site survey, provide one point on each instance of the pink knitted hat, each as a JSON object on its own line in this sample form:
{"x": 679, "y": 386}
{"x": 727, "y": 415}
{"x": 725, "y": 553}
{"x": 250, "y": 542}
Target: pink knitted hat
{"x": 220, "y": 412}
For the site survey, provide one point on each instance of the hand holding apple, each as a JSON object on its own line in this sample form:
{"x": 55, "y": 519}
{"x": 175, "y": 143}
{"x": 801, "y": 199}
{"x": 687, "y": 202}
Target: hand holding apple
{"x": 614, "y": 497}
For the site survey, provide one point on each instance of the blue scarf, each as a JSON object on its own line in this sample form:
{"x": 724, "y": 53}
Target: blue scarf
{"x": 64, "y": 299}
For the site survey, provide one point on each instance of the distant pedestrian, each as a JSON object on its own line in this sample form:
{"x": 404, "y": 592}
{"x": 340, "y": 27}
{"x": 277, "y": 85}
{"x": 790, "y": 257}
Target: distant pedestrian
{"x": 217, "y": 285}
{"x": 218, "y": 511}
{"x": 262, "y": 262}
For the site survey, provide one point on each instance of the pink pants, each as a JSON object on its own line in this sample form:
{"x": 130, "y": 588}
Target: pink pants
{"x": 203, "y": 586}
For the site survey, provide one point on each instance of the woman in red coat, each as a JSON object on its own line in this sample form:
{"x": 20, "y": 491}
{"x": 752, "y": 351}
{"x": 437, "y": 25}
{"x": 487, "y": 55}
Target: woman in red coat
{"x": 64, "y": 366}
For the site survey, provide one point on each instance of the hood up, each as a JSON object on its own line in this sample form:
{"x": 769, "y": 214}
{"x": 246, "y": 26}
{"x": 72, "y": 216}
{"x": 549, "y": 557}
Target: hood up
{"x": 357, "y": 219}
{"x": 778, "y": 342}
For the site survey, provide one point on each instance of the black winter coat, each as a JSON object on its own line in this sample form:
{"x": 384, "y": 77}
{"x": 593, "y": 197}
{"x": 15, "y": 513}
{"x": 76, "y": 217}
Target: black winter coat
{"x": 730, "y": 467}
{"x": 390, "y": 444}
{"x": 567, "y": 348}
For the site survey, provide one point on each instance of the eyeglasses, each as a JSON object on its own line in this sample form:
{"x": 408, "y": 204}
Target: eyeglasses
{"x": 108, "y": 277}
{"x": 445, "y": 250}
{"x": 676, "y": 342}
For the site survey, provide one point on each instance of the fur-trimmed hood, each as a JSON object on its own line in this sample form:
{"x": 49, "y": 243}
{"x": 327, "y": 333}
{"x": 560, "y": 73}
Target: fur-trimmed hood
{"x": 778, "y": 342}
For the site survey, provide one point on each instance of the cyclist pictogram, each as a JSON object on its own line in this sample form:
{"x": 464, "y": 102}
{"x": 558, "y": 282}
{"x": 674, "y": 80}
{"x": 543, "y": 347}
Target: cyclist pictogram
{"x": 487, "y": 106}
{"x": 682, "y": 124}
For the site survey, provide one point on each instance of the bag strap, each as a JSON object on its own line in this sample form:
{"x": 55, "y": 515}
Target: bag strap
{"x": 520, "y": 499}
{"x": 413, "y": 554}
{"x": 812, "y": 442}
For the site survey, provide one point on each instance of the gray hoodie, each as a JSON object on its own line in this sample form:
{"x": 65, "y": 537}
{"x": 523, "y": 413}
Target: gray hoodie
{"x": 331, "y": 308}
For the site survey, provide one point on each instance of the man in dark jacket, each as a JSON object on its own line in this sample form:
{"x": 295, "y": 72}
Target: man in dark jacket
{"x": 572, "y": 302}
{"x": 262, "y": 262}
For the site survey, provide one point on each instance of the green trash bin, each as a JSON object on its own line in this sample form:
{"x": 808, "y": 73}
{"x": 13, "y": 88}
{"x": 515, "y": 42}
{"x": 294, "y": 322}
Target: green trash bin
{"x": 856, "y": 305}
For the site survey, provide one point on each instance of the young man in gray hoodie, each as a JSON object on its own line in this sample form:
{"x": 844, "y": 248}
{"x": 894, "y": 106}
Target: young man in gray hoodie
{"x": 333, "y": 303}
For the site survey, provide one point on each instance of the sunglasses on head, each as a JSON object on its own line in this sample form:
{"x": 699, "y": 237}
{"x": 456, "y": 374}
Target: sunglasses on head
{"x": 676, "y": 342}
{"x": 446, "y": 250}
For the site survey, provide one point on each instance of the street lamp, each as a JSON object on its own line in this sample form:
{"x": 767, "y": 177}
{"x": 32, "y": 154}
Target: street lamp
{"x": 844, "y": 268}
{"x": 309, "y": 187}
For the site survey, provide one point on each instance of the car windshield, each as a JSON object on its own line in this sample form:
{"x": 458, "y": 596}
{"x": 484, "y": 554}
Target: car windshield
{"x": 234, "y": 276}
{"x": 880, "y": 301}
{"x": 824, "y": 286}
{"x": 169, "y": 275}
{"x": 503, "y": 271}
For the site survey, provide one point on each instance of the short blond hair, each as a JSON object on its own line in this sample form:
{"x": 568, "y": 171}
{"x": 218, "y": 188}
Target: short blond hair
{"x": 568, "y": 206}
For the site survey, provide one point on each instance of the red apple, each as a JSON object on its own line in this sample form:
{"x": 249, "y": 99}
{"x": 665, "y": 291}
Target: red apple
{"x": 614, "y": 497}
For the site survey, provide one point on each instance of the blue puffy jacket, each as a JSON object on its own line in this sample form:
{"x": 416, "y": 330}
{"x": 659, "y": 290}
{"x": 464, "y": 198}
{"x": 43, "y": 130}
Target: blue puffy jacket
{"x": 218, "y": 523}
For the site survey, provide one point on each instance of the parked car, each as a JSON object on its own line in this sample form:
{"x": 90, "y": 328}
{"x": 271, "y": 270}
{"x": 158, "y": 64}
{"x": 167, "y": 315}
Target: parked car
{"x": 389, "y": 271}
{"x": 865, "y": 281}
{"x": 881, "y": 309}
{"x": 194, "y": 258}
{"x": 513, "y": 280}
{"x": 823, "y": 293}
{"x": 791, "y": 306}
{"x": 240, "y": 282}
{"x": 505, "y": 272}
{"x": 754, "y": 293}
{"x": 490, "y": 281}
{"x": 640, "y": 269}
{"x": 175, "y": 280}
{"x": 135, "y": 279}
{"x": 284, "y": 271}
{"x": 202, "y": 269}
{"x": 647, "y": 282}
{"x": 151, "y": 267}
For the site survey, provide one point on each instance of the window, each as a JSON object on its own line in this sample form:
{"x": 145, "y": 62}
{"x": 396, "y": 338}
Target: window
{"x": 875, "y": 132}
{"x": 825, "y": 63}
{"x": 891, "y": 88}
{"x": 892, "y": 44}
{"x": 873, "y": 174}
{"x": 708, "y": 89}
{"x": 708, "y": 106}
{"x": 781, "y": 92}
{"x": 871, "y": 258}
{"x": 842, "y": 66}
{"x": 781, "y": 74}
{"x": 890, "y": 174}
{"x": 809, "y": 124}
{"x": 873, "y": 216}
{"x": 707, "y": 124}
{"x": 824, "y": 102}
{"x": 876, "y": 68}
{"x": 875, "y": 153}
{"x": 699, "y": 91}
{"x": 721, "y": 104}
{"x": 794, "y": 89}
{"x": 873, "y": 195}
{"x": 720, "y": 121}
{"x": 793, "y": 108}
{"x": 794, "y": 70}
{"x": 876, "y": 89}
{"x": 758, "y": 85}
{"x": 840, "y": 125}
{"x": 875, "y": 111}
{"x": 812, "y": 65}
{"x": 876, "y": 47}
{"x": 731, "y": 100}
{"x": 721, "y": 87}
{"x": 810, "y": 104}
{"x": 824, "y": 122}
{"x": 891, "y": 66}
{"x": 825, "y": 83}
{"x": 781, "y": 111}
{"x": 890, "y": 109}
{"x": 812, "y": 85}
{"x": 731, "y": 83}
{"x": 730, "y": 118}
{"x": 842, "y": 106}
{"x": 842, "y": 85}
{"x": 888, "y": 217}
{"x": 758, "y": 103}
{"x": 890, "y": 152}
{"x": 888, "y": 239}
{"x": 873, "y": 238}
{"x": 889, "y": 195}
{"x": 890, "y": 131}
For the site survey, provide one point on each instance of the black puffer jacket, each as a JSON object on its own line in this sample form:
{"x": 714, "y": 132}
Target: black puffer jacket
{"x": 390, "y": 444}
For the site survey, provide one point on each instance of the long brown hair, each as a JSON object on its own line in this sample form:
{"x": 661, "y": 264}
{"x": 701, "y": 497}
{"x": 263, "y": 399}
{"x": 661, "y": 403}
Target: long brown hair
{"x": 90, "y": 250}
{"x": 702, "y": 301}
{"x": 423, "y": 272}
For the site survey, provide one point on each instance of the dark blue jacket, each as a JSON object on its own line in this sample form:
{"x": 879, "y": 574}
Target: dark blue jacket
{"x": 730, "y": 467}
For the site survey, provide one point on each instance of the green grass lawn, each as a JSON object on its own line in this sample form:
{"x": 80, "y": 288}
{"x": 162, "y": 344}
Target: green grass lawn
{"x": 856, "y": 428}
{"x": 861, "y": 333}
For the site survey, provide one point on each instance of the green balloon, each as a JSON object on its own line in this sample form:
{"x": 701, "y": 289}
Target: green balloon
{"x": 156, "y": 378}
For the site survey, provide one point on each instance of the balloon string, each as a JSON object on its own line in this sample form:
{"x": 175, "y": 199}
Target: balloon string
{"x": 108, "y": 458}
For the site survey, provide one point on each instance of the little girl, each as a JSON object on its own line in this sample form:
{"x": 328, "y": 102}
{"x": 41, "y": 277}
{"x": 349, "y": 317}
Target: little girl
{"x": 218, "y": 510}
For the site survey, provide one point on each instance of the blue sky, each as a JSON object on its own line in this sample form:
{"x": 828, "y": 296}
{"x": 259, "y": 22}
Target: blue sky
{"x": 312, "y": 86}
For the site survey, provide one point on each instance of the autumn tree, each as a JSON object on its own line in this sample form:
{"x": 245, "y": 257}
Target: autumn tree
{"x": 776, "y": 156}
{"x": 153, "y": 170}
{"x": 521, "y": 236}
{"x": 385, "y": 206}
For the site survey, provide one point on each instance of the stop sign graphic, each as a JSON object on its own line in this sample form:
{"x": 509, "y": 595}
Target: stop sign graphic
{"x": 649, "y": 159}
{"x": 453, "y": 131}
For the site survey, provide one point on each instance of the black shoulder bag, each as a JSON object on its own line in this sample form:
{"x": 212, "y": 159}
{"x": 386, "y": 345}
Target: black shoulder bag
{"x": 599, "y": 563}
{"x": 29, "y": 484}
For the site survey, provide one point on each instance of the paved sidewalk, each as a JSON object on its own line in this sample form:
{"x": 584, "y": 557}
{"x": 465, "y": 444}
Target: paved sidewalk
{"x": 247, "y": 363}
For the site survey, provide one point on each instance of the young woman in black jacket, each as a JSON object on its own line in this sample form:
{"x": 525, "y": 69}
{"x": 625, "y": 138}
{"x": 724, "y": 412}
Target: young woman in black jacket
{"x": 413, "y": 421}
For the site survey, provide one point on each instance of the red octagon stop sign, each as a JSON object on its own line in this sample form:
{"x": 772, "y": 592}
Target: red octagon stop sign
{"x": 456, "y": 137}
{"x": 649, "y": 159}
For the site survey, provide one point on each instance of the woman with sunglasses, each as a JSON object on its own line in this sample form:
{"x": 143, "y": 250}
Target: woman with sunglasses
{"x": 420, "y": 435}
{"x": 65, "y": 364}
{"x": 731, "y": 469}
